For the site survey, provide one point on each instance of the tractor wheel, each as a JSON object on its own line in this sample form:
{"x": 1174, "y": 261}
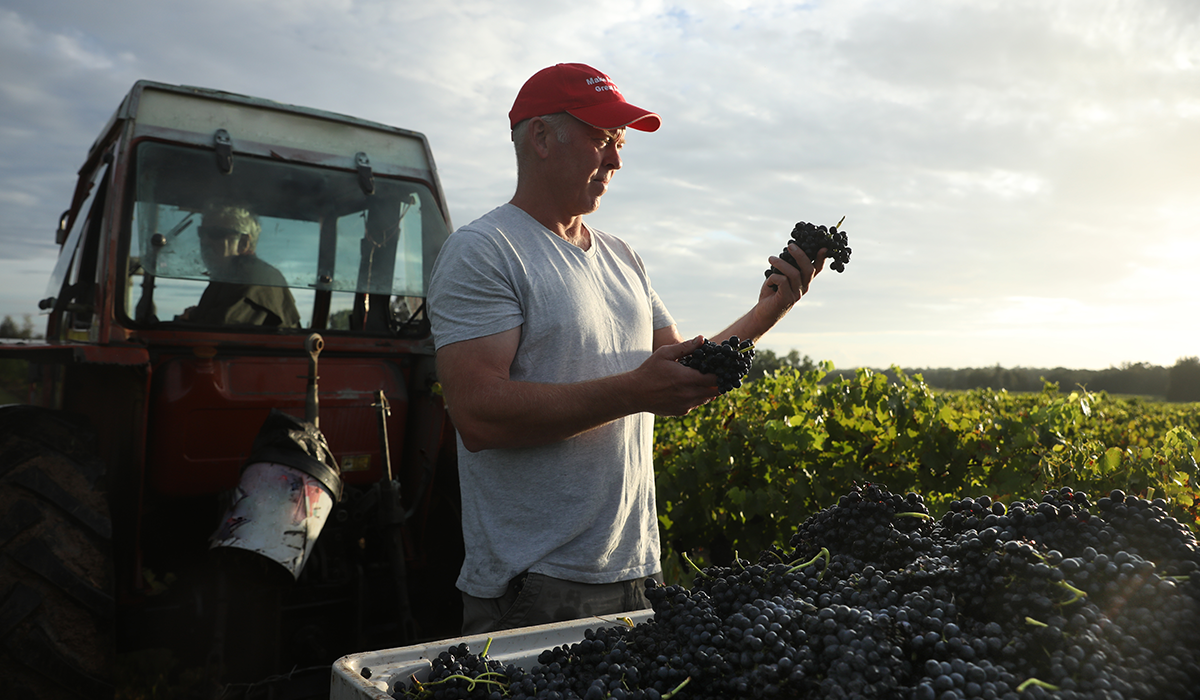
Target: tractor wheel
{"x": 56, "y": 601}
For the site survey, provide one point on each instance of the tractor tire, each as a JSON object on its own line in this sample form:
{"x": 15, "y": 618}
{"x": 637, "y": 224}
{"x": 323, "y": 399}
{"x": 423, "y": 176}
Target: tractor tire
{"x": 56, "y": 572}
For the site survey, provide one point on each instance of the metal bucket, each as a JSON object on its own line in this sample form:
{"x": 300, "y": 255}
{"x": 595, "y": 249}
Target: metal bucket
{"x": 277, "y": 512}
{"x": 286, "y": 492}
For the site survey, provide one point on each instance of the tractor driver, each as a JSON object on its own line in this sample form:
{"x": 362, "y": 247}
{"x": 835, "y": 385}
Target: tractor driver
{"x": 245, "y": 290}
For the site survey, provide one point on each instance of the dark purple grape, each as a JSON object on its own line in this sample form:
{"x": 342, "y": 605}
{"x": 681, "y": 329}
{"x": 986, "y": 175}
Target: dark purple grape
{"x": 730, "y": 361}
{"x": 875, "y": 598}
{"x": 811, "y": 238}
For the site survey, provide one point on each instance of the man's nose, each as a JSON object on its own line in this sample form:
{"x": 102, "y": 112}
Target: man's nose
{"x": 612, "y": 156}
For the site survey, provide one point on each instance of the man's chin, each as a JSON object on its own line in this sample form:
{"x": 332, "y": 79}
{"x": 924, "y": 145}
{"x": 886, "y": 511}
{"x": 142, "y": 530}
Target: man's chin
{"x": 588, "y": 205}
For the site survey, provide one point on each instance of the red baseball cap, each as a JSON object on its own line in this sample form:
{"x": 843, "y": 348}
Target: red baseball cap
{"x": 583, "y": 92}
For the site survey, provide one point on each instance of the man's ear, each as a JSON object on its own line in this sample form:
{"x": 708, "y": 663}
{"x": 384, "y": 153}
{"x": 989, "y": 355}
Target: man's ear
{"x": 539, "y": 135}
{"x": 243, "y": 246}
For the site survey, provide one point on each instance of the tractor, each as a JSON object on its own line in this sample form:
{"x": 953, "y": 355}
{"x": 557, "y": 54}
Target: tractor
{"x": 231, "y": 464}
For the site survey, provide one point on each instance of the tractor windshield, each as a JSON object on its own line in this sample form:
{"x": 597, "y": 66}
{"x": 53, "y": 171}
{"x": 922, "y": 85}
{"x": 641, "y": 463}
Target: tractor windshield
{"x": 276, "y": 243}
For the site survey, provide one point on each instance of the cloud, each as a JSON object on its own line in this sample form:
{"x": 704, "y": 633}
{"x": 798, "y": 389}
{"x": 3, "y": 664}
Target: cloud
{"x": 982, "y": 152}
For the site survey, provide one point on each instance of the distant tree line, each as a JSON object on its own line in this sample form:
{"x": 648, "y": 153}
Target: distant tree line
{"x": 1130, "y": 378}
{"x": 1184, "y": 384}
{"x": 10, "y": 329}
{"x": 1180, "y": 382}
{"x": 14, "y": 374}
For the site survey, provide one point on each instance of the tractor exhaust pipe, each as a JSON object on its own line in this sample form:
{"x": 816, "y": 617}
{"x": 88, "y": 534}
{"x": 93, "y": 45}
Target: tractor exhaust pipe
{"x": 313, "y": 346}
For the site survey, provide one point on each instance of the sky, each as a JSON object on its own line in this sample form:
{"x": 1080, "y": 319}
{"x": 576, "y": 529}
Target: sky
{"x": 1020, "y": 180}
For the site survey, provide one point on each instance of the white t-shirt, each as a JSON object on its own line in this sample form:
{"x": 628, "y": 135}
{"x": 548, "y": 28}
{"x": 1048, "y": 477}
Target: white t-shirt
{"x": 581, "y": 509}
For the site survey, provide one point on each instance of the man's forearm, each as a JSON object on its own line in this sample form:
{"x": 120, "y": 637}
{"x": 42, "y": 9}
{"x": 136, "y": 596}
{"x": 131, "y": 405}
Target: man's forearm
{"x": 748, "y": 327}
{"x": 505, "y": 413}
{"x": 778, "y": 295}
{"x": 491, "y": 411}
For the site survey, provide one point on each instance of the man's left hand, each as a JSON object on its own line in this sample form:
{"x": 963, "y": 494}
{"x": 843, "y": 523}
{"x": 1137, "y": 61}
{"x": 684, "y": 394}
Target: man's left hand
{"x": 787, "y": 286}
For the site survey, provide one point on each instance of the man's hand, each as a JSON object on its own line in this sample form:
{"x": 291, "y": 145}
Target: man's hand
{"x": 669, "y": 388}
{"x": 791, "y": 282}
{"x": 780, "y": 292}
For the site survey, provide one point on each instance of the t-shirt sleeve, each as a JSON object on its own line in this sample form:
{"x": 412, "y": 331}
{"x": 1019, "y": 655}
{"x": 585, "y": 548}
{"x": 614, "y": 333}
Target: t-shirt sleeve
{"x": 662, "y": 317}
{"x": 471, "y": 291}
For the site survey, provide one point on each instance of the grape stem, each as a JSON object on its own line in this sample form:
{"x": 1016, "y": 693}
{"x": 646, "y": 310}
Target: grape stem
{"x": 483, "y": 654}
{"x": 671, "y": 693}
{"x": 823, "y": 553}
{"x": 914, "y": 514}
{"x": 471, "y": 682}
{"x": 1076, "y": 593}
{"x": 693, "y": 564}
{"x": 1041, "y": 684}
{"x": 1035, "y": 623}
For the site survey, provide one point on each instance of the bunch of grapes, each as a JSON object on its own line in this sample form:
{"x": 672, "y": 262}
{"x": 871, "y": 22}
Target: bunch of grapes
{"x": 730, "y": 361}
{"x": 812, "y": 238}
{"x": 874, "y": 598}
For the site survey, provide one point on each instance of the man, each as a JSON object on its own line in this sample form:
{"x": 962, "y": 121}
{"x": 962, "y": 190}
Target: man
{"x": 244, "y": 290}
{"x": 554, "y": 352}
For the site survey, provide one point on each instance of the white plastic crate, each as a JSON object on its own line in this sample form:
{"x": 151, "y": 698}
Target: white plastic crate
{"x": 372, "y": 675}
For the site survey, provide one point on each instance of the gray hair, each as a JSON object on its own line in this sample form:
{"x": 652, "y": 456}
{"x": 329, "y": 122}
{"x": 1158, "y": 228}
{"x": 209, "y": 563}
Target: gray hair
{"x": 558, "y": 122}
